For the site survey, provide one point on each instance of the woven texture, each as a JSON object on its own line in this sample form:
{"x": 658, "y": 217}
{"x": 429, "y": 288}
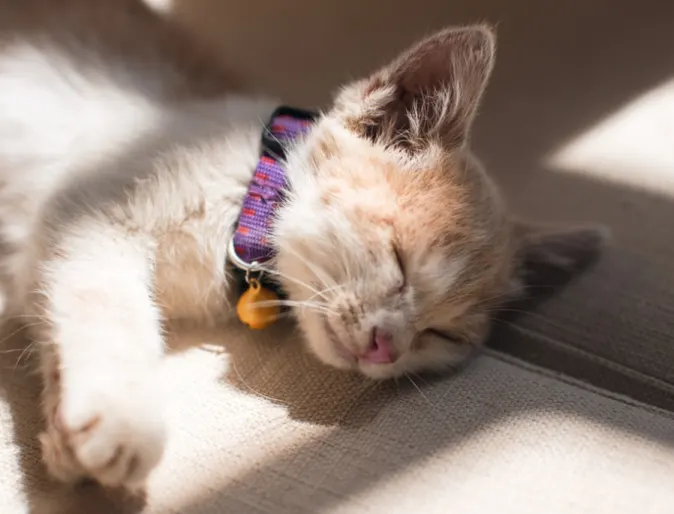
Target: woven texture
{"x": 496, "y": 438}
{"x": 266, "y": 191}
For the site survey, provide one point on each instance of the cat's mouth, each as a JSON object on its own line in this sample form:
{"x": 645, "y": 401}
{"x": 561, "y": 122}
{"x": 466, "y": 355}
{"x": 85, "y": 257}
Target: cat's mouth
{"x": 379, "y": 351}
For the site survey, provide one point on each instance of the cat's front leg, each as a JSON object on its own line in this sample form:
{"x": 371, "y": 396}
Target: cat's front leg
{"x": 102, "y": 347}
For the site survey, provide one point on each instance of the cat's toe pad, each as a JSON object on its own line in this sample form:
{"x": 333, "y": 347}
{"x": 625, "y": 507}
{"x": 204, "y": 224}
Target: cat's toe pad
{"x": 115, "y": 439}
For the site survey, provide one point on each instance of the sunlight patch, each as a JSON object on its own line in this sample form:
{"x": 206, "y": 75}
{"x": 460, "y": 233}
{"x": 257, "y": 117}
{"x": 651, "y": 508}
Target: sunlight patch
{"x": 634, "y": 146}
{"x": 161, "y": 6}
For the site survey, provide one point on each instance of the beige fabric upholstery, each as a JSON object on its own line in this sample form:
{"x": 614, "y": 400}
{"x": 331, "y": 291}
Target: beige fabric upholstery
{"x": 500, "y": 437}
{"x": 569, "y": 411}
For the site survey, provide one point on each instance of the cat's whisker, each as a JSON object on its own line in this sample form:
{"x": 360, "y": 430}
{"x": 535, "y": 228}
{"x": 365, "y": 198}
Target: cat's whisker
{"x": 288, "y": 144}
{"x": 425, "y": 382}
{"x": 420, "y": 391}
{"x": 323, "y": 292}
{"x": 507, "y": 323}
{"x": 275, "y": 155}
{"x": 263, "y": 126}
{"x": 531, "y": 314}
{"x": 289, "y": 278}
{"x": 517, "y": 326}
{"x": 544, "y": 287}
{"x": 253, "y": 390}
{"x": 285, "y": 315}
{"x": 504, "y": 298}
{"x": 292, "y": 303}
{"x": 320, "y": 274}
{"x": 286, "y": 303}
{"x": 28, "y": 350}
{"x": 19, "y": 330}
{"x": 13, "y": 350}
{"x": 23, "y": 316}
{"x": 347, "y": 268}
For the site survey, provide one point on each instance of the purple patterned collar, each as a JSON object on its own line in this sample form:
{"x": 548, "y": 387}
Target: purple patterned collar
{"x": 250, "y": 246}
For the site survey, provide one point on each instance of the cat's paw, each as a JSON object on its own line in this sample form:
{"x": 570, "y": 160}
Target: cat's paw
{"x": 115, "y": 437}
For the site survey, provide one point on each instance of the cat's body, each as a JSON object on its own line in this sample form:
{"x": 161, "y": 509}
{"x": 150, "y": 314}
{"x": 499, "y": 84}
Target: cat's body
{"x": 119, "y": 193}
{"x": 67, "y": 124}
{"x": 93, "y": 148}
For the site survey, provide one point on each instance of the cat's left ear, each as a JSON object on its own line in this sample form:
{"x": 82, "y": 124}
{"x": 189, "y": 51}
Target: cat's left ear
{"x": 547, "y": 258}
{"x": 429, "y": 93}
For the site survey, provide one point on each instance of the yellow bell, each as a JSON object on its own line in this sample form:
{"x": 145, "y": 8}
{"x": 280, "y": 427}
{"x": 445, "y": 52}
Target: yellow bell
{"x": 250, "y": 311}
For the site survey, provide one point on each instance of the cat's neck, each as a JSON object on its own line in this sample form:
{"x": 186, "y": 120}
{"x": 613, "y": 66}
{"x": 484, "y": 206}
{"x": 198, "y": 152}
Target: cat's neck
{"x": 203, "y": 185}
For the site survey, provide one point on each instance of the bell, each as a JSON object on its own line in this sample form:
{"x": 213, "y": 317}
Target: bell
{"x": 258, "y": 307}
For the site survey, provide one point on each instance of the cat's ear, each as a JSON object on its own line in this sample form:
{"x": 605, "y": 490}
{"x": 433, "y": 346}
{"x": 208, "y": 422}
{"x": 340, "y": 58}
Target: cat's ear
{"x": 429, "y": 93}
{"x": 546, "y": 258}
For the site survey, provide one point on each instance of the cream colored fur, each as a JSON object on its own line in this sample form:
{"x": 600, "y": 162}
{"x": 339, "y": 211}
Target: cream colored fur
{"x": 118, "y": 197}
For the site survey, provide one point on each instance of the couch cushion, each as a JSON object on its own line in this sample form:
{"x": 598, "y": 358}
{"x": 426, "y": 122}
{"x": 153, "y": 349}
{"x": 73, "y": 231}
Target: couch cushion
{"x": 501, "y": 436}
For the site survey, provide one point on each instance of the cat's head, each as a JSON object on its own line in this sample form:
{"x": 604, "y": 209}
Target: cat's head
{"x": 393, "y": 238}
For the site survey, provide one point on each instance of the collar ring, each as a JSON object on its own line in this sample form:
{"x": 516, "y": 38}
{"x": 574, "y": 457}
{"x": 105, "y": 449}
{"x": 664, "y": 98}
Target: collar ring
{"x": 252, "y": 268}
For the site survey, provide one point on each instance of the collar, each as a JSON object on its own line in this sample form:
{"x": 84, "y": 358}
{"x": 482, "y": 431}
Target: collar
{"x": 249, "y": 247}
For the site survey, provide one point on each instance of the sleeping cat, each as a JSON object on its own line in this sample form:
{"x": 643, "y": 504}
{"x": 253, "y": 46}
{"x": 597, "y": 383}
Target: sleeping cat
{"x": 119, "y": 199}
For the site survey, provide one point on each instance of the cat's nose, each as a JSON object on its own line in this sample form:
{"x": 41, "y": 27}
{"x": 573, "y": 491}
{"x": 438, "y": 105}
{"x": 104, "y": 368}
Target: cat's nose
{"x": 381, "y": 350}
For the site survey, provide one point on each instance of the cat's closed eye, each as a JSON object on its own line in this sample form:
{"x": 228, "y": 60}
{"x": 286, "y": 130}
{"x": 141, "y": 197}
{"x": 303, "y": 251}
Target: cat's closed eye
{"x": 442, "y": 334}
{"x": 402, "y": 283}
{"x": 425, "y": 337}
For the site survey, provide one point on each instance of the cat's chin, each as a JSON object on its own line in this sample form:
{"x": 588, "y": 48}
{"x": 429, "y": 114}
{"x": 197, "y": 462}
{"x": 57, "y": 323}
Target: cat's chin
{"x": 333, "y": 357}
{"x": 380, "y": 371}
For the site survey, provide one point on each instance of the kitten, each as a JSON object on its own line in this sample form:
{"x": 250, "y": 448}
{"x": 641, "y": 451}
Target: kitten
{"x": 118, "y": 198}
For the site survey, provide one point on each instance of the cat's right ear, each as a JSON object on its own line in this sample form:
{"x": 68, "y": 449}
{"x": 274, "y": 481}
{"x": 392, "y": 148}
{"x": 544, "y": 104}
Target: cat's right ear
{"x": 429, "y": 93}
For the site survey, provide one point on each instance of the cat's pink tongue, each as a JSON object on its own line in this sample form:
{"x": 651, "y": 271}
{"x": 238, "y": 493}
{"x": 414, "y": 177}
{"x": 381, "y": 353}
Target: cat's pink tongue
{"x": 381, "y": 350}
